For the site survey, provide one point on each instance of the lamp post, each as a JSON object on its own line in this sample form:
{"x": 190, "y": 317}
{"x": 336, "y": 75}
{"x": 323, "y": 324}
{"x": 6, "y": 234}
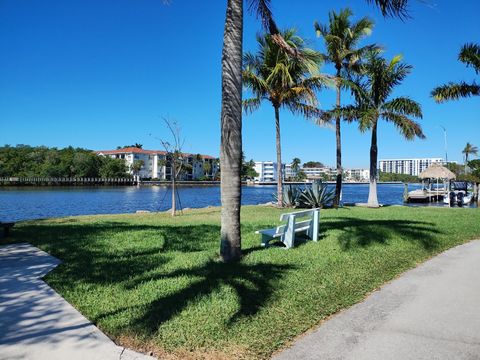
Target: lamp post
{"x": 445, "y": 139}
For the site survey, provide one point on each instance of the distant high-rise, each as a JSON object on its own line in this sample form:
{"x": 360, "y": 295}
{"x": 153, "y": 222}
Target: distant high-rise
{"x": 407, "y": 166}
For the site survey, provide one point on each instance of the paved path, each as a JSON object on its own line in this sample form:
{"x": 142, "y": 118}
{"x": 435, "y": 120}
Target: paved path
{"x": 431, "y": 312}
{"x": 37, "y": 323}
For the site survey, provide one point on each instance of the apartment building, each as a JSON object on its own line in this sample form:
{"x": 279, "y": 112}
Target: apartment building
{"x": 266, "y": 170}
{"x": 357, "y": 174}
{"x": 314, "y": 173}
{"x": 407, "y": 166}
{"x": 156, "y": 165}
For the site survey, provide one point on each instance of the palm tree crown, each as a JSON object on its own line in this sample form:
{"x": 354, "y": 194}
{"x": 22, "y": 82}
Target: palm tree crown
{"x": 372, "y": 94}
{"x": 274, "y": 75}
{"x": 341, "y": 37}
{"x": 469, "y": 150}
{"x": 296, "y": 164}
{"x": 469, "y": 55}
{"x": 284, "y": 80}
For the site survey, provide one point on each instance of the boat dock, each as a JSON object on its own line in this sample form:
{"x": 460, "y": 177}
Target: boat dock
{"x": 425, "y": 196}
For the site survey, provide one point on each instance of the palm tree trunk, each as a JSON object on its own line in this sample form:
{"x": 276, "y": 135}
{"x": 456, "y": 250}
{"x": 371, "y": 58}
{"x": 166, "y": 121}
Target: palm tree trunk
{"x": 279, "y": 159}
{"x": 174, "y": 201}
{"x": 231, "y": 133}
{"x": 372, "y": 193}
{"x": 338, "y": 185}
{"x": 466, "y": 162}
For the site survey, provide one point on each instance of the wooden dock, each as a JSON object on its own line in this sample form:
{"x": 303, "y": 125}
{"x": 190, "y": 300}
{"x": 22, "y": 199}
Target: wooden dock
{"x": 425, "y": 196}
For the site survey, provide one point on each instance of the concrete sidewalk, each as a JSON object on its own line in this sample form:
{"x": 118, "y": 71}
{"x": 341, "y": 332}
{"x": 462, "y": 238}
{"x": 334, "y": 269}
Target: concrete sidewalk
{"x": 431, "y": 312}
{"x": 37, "y": 323}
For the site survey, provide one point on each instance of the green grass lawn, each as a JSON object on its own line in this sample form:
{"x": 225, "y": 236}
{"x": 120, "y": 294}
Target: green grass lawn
{"x": 154, "y": 282}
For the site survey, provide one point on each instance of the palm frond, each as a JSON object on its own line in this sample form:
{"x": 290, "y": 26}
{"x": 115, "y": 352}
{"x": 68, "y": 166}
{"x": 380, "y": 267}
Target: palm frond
{"x": 258, "y": 86}
{"x": 455, "y": 91}
{"x": 305, "y": 110}
{"x": 367, "y": 117}
{"x": 262, "y": 9}
{"x": 317, "y": 82}
{"x": 393, "y": 8}
{"x": 407, "y": 127}
{"x": 251, "y": 61}
{"x": 250, "y": 105}
{"x": 404, "y": 106}
{"x": 470, "y": 55}
{"x": 348, "y": 113}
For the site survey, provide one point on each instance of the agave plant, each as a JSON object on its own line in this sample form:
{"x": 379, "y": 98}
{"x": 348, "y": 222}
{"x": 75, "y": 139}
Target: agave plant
{"x": 317, "y": 196}
{"x": 291, "y": 196}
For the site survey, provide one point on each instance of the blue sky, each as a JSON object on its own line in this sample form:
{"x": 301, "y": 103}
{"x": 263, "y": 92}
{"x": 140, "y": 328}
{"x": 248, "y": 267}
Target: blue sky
{"x": 98, "y": 74}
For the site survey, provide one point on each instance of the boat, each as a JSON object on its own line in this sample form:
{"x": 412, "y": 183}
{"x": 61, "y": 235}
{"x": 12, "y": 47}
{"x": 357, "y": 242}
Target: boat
{"x": 458, "y": 194}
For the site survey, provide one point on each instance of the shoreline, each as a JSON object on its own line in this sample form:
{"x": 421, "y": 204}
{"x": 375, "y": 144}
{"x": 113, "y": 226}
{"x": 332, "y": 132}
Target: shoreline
{"x": 178, "y": 183}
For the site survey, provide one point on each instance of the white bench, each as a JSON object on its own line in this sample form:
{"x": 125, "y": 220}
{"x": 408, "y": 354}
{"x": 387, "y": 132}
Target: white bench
{"x": 287, "y": 232}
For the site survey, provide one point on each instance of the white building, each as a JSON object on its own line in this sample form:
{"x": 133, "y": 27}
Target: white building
{"x": 324, "y": 172}
{"x": 289, "y": 172}
{"x": 156, "y": 166}
{"x": 266, "y": 170}
{"x": 357, "y": 174}
{"x": 407, "y": 166}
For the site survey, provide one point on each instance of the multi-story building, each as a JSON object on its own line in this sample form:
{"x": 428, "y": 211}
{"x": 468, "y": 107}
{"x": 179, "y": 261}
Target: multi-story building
{"x": 324, "y": 172}
{"x": 266, "y": 170}
{"x": 407, "y": 166}
{"x": 156, "y": 165}
{"x": 289, "y": 172}
{"x": 356, "y": 174}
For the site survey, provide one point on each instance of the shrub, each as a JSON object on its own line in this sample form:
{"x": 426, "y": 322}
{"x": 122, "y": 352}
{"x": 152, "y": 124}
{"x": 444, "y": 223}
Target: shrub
{"x": 316, "y": 196}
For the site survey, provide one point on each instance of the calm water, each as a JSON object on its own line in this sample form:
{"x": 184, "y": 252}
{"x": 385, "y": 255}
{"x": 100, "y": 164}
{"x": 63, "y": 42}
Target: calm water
{"x": 24, "y": 203}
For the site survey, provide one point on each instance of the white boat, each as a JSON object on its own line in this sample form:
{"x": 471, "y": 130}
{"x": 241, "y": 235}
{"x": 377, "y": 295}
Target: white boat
{"x": 458, "y": 194}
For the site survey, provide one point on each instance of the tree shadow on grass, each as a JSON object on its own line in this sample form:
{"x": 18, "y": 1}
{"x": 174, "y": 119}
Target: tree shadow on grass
{"x": 359, "y": 232}
{"x": 253, "y": 284}
{"x": 125, "y": 254}
{"x": 112, "y": 252}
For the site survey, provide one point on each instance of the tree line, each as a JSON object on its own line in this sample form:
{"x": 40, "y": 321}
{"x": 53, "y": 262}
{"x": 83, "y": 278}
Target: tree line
{"x": 41, "y": 161}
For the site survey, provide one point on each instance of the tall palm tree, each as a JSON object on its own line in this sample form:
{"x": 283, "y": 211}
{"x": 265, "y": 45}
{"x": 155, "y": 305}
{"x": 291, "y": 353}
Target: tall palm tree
{"x": 286, "y": 81}
{"x": 467, "y": 151}
{"x": 231, "y": 112}
{"x": 372, "y": 94}
{"x": 469, "y": 55}
{"x": 341, "y": 38}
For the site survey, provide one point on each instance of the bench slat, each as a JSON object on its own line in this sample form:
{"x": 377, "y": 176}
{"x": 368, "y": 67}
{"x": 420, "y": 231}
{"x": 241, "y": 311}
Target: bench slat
{"x": 303, "y": 213}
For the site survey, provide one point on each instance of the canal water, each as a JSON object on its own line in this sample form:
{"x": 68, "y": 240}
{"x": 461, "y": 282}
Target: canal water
{"x": 25, "y": 203}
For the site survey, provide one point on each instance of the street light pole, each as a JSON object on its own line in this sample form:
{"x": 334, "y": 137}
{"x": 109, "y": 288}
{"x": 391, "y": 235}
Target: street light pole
{"x": 445, "y": 138}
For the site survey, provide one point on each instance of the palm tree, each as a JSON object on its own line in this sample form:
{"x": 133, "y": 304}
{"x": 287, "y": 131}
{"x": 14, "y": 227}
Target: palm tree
{"x": 285, "y": 81}
{"x": 296, "y": 164}
{"x": 231, "y": 112}
{"x": 136, "y": 167}
{"x": 341, "y": 37}
{"x": 372, "y": 93}
{"x": 469, "y": 55}
{"x": 469, "y": 150}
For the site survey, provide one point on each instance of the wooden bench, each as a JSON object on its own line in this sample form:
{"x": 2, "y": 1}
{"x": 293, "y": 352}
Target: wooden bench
{"x": 286, "y": 233}
{"x": 6, "y": 227}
